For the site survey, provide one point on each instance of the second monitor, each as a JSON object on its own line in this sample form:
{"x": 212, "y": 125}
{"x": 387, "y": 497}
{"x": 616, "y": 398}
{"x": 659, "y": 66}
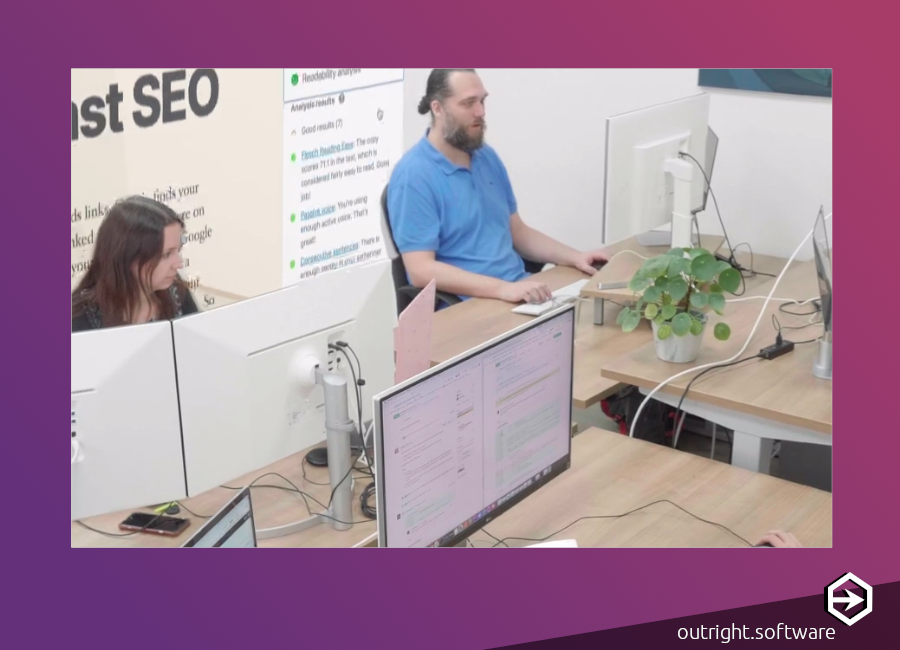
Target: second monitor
{"x": 462, "y": 443}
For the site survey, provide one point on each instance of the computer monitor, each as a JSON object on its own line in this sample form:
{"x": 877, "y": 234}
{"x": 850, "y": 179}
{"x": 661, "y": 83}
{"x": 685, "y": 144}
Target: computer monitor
{"x": 712, "y": 147}
{"x": 822, "y": 251}
{"x": 254, "y": 376}
{"x": 648, "y": 186}
{"x": 462, "y": 443}
{"x": 126, "y": 430}
{"x": 231, "y": 527}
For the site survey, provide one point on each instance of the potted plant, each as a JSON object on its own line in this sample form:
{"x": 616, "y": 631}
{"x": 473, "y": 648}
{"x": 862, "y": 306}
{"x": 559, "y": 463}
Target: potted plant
{"x": 675, "y": 292}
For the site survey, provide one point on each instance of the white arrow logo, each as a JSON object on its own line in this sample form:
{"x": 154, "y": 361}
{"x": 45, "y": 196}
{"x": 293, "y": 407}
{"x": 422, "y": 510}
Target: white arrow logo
{"x": 852, "y": 600}
{"x": 832, "y": 600}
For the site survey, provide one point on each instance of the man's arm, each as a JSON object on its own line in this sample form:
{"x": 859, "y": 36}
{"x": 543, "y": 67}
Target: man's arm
{"x": 538, "y": 247}
{"x": 416, "y": 232}
{"x": 422, "y": 267}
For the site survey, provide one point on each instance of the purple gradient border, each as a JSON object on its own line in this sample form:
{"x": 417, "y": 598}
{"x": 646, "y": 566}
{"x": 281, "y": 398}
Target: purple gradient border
{"x": 423, "y": 599}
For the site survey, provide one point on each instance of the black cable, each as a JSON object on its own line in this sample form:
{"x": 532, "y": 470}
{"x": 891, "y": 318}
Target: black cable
{"x": 716, "y": 203}
{"x": 782, "y": 309}
{"x": 700, "y": 374}
{"x": 357, "y": 383}
{"x": 499, "y": 541}
{"x": 525, "y": 539}
{"x": 191, "y": 512}
{"x": 305, "y": 462}
{"x": 367, "y": 494}
{"x": 751, "y": 269}
{"x": 302, "y": 494}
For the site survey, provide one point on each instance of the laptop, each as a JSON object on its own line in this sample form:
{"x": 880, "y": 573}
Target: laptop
{"x": 231, "y": 527}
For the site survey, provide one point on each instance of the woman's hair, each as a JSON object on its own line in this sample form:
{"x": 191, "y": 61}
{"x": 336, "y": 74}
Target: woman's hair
{"x": 129, "y": 239}
{"x": 438, "y": 87}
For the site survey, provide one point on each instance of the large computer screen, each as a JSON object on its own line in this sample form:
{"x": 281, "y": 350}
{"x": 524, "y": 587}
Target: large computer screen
{"x": 464, "y": 442}
{"x": 231, "y": 527}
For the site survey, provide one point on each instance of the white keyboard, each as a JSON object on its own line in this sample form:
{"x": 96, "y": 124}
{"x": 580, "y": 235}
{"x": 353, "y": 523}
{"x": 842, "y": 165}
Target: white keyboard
{"x": 560, "y": 297}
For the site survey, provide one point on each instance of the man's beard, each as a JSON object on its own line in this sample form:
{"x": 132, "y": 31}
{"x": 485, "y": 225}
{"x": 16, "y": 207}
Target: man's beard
{"x": 456, "y": 136}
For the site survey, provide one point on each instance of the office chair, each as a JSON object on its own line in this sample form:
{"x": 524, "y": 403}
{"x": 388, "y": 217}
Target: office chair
{"x": 406, "y": 292}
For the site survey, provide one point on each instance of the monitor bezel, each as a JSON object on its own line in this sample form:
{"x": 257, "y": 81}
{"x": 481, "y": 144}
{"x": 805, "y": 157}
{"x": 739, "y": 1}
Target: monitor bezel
{"x": 558, "y": 467}
{"x": 824, "y": 273}
{"x": 210, "y": 523}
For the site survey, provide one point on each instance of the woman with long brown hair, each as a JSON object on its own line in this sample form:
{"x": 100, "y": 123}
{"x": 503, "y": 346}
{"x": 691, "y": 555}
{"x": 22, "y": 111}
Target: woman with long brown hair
{"x": 133, "y": 277}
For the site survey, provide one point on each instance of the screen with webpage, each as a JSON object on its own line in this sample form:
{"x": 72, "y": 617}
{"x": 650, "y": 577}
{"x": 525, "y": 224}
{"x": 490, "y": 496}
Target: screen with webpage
{"x": 465, "y": 441}
{"x": 232, "y": 528}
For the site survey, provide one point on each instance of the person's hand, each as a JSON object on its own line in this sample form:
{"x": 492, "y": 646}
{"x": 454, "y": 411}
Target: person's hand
{"x": 584, "y": 262}
{"x": 525, "y": 291}
{"x": 780, "y": 539}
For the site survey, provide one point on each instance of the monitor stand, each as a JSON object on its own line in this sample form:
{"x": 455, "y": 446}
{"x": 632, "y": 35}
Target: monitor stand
{"x": 653, "y": 238}
{"x": 338, "y": 428}
{"x": 823, "y": 365}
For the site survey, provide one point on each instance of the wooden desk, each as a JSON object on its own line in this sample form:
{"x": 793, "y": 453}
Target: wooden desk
{"x": 760, "y": 400}
{"x": 271, "y": 507}
{"x": 464, "y": 326}
{"x": 612, "y": 474}
{"x": 623, "y": 265}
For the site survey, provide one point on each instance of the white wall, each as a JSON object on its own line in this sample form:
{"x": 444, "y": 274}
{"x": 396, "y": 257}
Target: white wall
{"x": 773, "y": 168}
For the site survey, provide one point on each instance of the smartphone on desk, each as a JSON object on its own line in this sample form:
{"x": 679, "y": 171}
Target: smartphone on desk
{"x": 155, "y": 524}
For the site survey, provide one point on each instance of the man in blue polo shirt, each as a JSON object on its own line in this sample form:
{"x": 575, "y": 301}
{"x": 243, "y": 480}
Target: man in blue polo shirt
{"x": 452, "y": 209}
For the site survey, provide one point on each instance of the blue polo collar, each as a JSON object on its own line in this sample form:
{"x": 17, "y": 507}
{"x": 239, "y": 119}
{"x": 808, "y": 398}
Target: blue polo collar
{"x": 441, "y": 160}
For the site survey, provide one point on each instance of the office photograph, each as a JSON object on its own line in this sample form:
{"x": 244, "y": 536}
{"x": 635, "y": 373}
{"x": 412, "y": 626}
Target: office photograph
{"x": 451, "y": 308}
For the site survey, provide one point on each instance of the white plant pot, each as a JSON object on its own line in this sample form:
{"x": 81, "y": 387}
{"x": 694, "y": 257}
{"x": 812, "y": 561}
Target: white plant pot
{"x": 679, "y": 349}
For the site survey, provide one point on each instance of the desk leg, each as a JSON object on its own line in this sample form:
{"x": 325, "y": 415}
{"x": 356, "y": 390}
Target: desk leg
{"x": 752, "y": 452}
{"x": 598, "y": 311}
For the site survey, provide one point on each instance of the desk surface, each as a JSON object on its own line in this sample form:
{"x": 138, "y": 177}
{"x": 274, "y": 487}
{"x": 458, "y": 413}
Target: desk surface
{"x": 464, "y": 326}
{"x": 271, "y": 507}
{"x": 783, "y": 390}
{"x": 613, "y": 474}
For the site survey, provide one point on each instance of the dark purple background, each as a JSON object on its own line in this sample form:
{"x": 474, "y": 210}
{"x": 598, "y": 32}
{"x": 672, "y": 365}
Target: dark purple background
{"x": 417, "y": 599}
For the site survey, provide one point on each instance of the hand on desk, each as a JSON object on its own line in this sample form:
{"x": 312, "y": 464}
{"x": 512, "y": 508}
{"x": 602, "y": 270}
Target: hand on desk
{"x": 590, "y": 262}
{"x": 525, "y": 291}
{"x": 780, "y": 539}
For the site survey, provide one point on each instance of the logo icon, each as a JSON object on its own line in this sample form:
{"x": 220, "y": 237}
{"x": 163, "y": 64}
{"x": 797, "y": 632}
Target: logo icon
{"x": 833, "y": 600}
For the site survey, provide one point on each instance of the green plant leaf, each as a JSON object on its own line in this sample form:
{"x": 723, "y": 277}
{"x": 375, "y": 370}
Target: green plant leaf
{"x": 730, "y": 280}
{"x": 704, "y": 268}
{"x": 656, "y": 267}
{"x": 632, "y": 320}
{"x": 639, "y": 283}
{"x": 678, "y": 289}
{"x": 694, "y": 253}
{"x": 652, "y": 294}
{"x": 668, "y": 311}
{"x": 677, "y": 267}
{"x": 639, "y": 305}
{"x": 681, "y": 324}
{"x": 664, "y": 332}
{"x": 659, "y": 320}
{"x": 717, "y": 302}
{"x": 715, "y": 288}
{"x": 722, "y": 331}
{"x": 651, "y": 311}
{"x": 696, "y": 327}
{"x": 678, "y": 252}
{"x": 722, "y": 266}
{"x": 662, "y": 284}
{"x": 698, "y": 300}
{"x": 622, "y": 315}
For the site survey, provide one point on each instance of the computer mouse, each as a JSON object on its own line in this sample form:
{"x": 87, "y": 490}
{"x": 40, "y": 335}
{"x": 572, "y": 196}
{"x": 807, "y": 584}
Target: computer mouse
{"x": 173, "y": 509}
{"x": 764, "y": 545}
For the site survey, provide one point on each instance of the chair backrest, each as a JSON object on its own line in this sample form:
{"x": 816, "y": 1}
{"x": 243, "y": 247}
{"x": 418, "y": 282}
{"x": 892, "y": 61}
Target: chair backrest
{"x": 398, "y": 269}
